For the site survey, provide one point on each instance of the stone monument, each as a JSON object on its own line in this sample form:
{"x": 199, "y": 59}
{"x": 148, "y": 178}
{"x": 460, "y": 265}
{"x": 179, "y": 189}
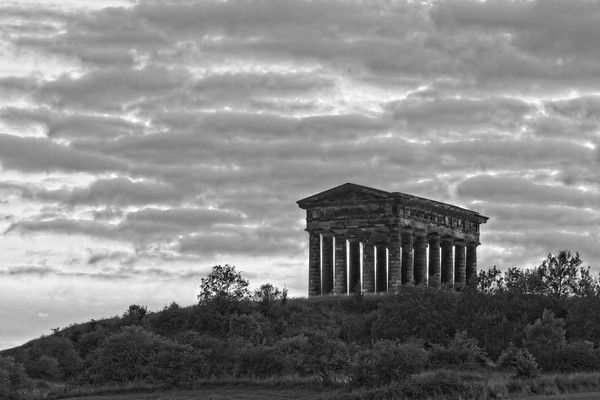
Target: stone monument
{"x": 360, "y": 237}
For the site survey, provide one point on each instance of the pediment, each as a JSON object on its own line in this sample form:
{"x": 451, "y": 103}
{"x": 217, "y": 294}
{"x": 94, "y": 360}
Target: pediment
{"x": 348, "y": 192}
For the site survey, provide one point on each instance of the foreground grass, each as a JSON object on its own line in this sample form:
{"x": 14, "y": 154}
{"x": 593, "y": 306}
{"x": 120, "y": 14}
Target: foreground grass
{"x": 462, "y": 385}
{"x": 220, "y": 393}
{"x": 430, "y": 385}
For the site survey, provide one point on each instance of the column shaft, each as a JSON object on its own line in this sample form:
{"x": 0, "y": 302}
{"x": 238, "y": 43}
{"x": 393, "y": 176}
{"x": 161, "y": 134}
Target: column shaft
{"x": 408, "y": 275}
{"x": 434, "y": 260}
{"x": 341, "y": 275}
{"x": 420, "y": 259}
{"x": 381, "y": 269}
{"x": 459, "y": 264}
{"x": 354, "y": 266}
{"x": 327, "y": 265}
{"x": 447, "y": 260}
{"x": 368, "y": 276}
{"x": 395, "y": 260}
{"x": 314, "y": 265}
{"x": 471, "y": 262}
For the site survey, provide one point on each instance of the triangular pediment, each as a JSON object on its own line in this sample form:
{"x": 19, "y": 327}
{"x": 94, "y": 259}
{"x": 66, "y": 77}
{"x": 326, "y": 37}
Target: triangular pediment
{"x": 343, "y": 193}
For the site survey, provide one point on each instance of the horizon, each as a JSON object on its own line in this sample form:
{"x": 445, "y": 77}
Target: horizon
{"x": 143, "y": 142}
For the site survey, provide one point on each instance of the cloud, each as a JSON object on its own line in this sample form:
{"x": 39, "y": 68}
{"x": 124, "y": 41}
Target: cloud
{"x": 514, "y": 190}
{"x": 71, "y": 126}
{"x": 33, "y": 154}
{"x": 111, "y": 89}
{"x": 119, "y": 192}
{"x": 248, "y": 241}
{"x": 65, "y": 226}
{"x": 460, "y": 113}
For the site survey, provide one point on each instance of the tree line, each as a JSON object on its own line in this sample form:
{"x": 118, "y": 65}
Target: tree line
{"x": 524, "y": 321}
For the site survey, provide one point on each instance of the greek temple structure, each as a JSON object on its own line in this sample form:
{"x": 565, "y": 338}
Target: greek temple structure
{"x": 373, "y": 240}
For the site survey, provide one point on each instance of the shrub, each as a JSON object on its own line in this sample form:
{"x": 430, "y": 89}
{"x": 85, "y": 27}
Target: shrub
{"x": 546, "y": 335}
{"x": 461, "y": 352}
{"x": 520, "y": 359}
{"x": 579, "y": 356}
{"x": 386, "y": 361}
{"x": 12, "y": 377}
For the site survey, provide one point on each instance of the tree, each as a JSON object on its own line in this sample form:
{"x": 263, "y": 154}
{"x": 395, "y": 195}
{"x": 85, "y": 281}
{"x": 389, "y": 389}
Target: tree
{"x": 490, "y": 281}
{"x": 266, "y": 296}
{"x": 559, "y": 274}
{"x": 524, "y": 281}
{"x": 134, "y": 314}
{"x": 223, "y": 285}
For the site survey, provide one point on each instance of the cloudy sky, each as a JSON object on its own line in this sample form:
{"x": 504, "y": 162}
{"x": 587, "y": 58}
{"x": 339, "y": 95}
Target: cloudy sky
{"x": 143, "y": 142}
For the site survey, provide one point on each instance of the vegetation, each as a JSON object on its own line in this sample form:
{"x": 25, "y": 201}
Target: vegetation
{"x": 519, "y": 332}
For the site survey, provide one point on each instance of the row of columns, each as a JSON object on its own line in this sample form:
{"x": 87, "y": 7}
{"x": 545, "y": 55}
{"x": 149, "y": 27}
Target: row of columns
{"x": 403, "y": 260}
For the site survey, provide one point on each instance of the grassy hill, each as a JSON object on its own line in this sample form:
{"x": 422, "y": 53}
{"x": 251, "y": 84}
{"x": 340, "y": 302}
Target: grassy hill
{"x": 419, "y": 342}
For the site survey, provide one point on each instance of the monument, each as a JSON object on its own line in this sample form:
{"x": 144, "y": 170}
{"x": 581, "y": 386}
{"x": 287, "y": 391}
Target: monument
{"x": 393, "y": 231}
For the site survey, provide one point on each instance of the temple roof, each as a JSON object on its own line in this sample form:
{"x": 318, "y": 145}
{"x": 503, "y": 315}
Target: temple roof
{"x": 354, "y": 192}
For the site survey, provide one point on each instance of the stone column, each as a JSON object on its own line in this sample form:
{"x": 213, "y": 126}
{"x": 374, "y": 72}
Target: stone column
{"x": 471, "y": 267}
{"x": 341, "y": 275}
{"x": 395, "y": 260}
{"x": 435, "y": 275}
{"x": 408, "y": 275}
{"x": 368, "y": 275}
{"x": 459, "y": 263}
{"x": 420, "y": 258}
{"x": 381, "y": 268}
{"x": 447, "y": 260}
{"x": 327, "y": 265}
{"x": 354, "y": 268}
{"x": 314, "y": 264}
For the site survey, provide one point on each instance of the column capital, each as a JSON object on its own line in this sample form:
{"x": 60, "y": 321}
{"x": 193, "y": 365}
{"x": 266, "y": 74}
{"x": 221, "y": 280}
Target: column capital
{"x": 459, "y": 242}
{"x": 420, "y": 233}
{"x": 407, "y": 229}
{"x": 472, "y": 244}
{"x": 445, "y": 240}
{"x": 433, "y": 235}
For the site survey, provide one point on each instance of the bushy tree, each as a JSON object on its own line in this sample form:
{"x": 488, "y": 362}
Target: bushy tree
{"x": 135, "y": 354}
{"x": 53, "y": 357}
{"x": 223, "y": 285}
